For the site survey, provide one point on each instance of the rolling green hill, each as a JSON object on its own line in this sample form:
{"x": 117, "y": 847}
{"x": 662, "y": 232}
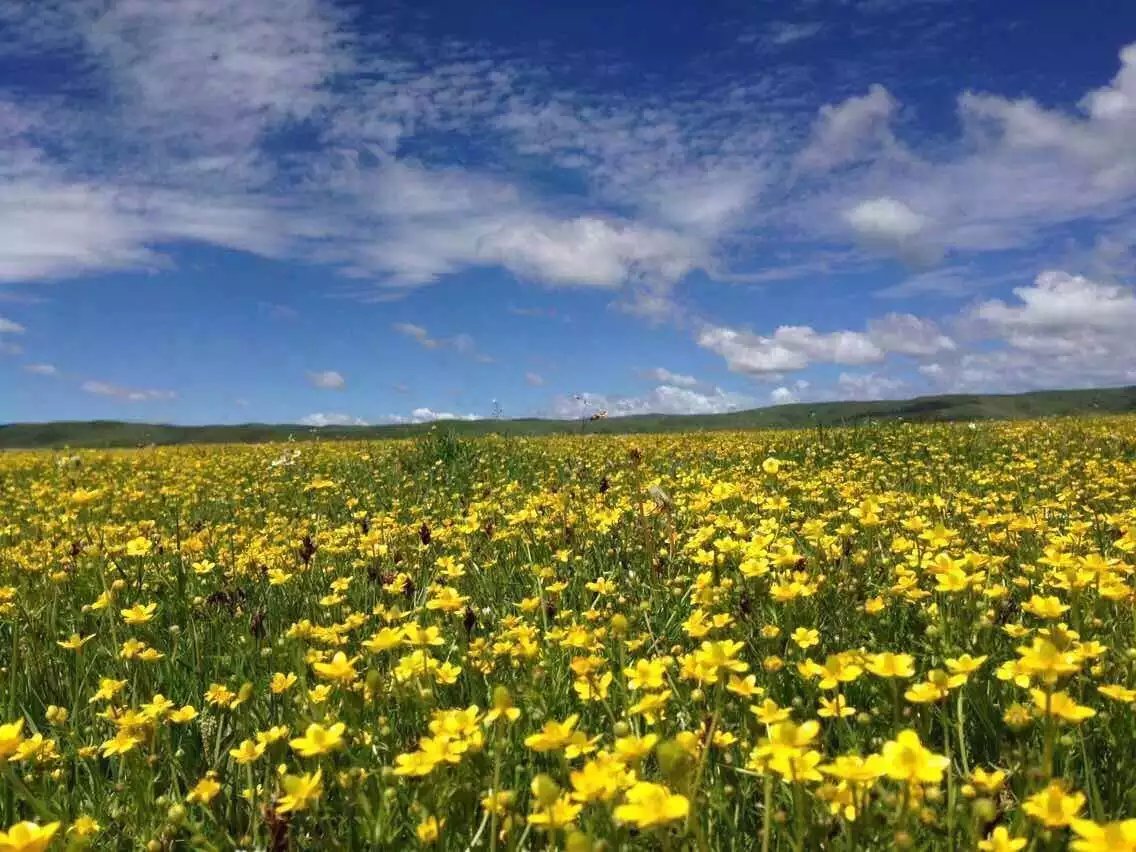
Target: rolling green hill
{"x": 114, "y": 433}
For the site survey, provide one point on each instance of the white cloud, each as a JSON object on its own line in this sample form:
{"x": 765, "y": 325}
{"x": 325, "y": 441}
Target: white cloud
{"x": 783, "y": 396}
{"x": 1018, "y": 171}
{"x": 41, "y": 369}
{"x": 868, "y": 386}
{"x": 588, "y": 251}
{"x": 907, "y": 334}
{"x": 461, "y": 343}
{"x": 534, "y": 379}
{"x": 887, "y": 222}
{"x": 326, "y": 379}
{"x": 664, "y": 376}
{"x": 7, "y": 326}
{"x": 1063, "y": 330}
{"x": 1058, "y": 303}
{"x": 320, "y": 418}
{"x": 417, "y": 333}
{"x": 428, "y": 415}
{"x": 789, "y": 348}
{"x": 849, "y": 131}
{"x": 790, "y": 32}
{"x": 664, "y": 399}
{"x": 99, "y": 388}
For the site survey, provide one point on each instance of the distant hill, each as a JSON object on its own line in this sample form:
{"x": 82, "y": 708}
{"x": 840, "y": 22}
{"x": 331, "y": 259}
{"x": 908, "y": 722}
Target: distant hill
{"x": 965, "y": 407}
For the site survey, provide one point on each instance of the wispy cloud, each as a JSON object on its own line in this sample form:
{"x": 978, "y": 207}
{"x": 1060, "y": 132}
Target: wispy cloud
{"x": 327, "y": 380}
{"x": 463, "y": 344}
{"x": 99, "y": 388}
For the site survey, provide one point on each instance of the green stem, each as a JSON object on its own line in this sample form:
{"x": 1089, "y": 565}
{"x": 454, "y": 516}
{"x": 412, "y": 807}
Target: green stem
{"x": 767, "y": 816}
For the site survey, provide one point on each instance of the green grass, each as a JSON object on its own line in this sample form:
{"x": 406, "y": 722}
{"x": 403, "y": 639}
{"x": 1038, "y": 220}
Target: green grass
{"x": 955, "y": 407}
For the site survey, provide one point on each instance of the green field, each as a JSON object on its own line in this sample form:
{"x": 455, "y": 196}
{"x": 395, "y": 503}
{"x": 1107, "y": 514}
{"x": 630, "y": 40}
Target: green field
{"x": 956, "y": 407}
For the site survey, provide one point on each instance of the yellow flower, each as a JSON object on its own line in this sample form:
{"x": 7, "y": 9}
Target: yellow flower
{"x": 999, "y": 840}
{"x": 769, "y": 712}
{"x": 340, "y": 669}
{"x": 1054, "y": 807}
{"x": 855, "y": 769}
{"x": 502, "y": 707}
{"x": 649, "y": 805}
{"x": 1061, "y": 705}
{"x": 272, "y": 735}
{"x": 890, "y": 665}
{"x": 647, "y": 674}
{"x": 1045, "y": 607}
{"x": 247, "y": 752}
{"x": 1118, "y": 693}
{"x": 988, "y": 782}
{"x": 11, "y": 736}
{"x": 1109, "y": 837}
{"x": 805, "y": 637}
{"x": 633, "y": 749}
{"x": 835, "y": 708}
{"x": 746, "y": 687}
{"x": 319, "y": 740}
{"x": 84, "y": 826}
{"x": 75, "y": 642}
{"x": 560, "y": 813}
{"x": 1044, "y": 660}
{"x": 553, "y": 735}
{"x": 429, "y": 830}
{"x": 27, "y": 837}
{"x": 300, "y": 792}
{"x": 139, "y": 613}
{"x": 965, "y": 665}
{"x": 383, "y": 640}
{"x": 108, "y": 689}
{"x": 282, "y": 682}
{"x": 599, "y": 780}
{"x": 906, "y": 759}
{"x": 139, "y": 546}
{"x": 122, "y": 742}
{"x": 183, "y": 715}
{"x": 204, "y": 791}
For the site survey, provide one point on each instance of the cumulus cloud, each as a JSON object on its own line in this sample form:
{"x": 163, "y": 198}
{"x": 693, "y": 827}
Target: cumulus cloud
{"x": 588, "y": 251}
{"x": 891, "y": 224}
{"x": 1063, "y": 330}
{"x": 321, "y": 418}
{"x": 1059, "y": 304}
{"x": 326, "y": 379}
{"x": 789, "y": 348}
{"x": 7, "y": 326}
{"x": 41, "y": 369}
{"x": 428, "y": 415}
{"x": 868, "y": 386}
{"x": 100, "y": 388}
{"x": 907, "y": 334}
{"x": 786, "y": 394}
{"x": 1019, "y": 170}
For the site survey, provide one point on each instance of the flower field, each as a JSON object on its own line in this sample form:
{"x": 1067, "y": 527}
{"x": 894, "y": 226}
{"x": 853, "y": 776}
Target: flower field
{"x": 886, "y": 636}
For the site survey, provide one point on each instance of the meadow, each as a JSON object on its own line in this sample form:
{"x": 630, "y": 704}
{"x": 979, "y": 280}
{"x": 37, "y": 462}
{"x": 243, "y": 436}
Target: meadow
{"x": 897, "y": 636}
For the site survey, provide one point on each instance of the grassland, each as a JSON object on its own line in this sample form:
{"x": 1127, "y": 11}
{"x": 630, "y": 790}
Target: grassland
{"x": 961, "y": 407}
{"x": 897, "y": 636}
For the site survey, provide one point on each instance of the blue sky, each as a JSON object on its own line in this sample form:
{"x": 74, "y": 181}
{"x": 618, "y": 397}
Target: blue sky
{"x": 323, "y": 212}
